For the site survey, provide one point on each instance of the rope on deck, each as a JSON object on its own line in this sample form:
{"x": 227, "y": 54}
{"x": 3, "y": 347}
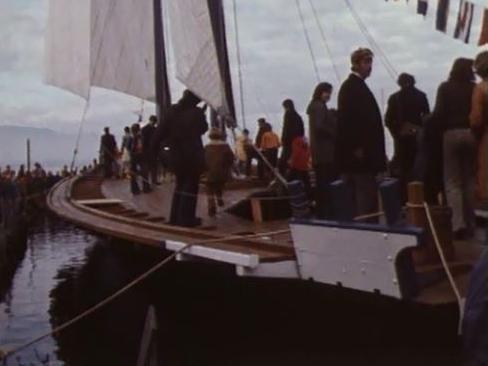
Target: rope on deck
{"x": 448, "y": 271}
{"x": 5, "y": 355}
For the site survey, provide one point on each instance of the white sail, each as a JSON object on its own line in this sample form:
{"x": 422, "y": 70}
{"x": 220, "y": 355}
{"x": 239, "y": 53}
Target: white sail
{"x": 196, "y": 61}
{"x": 122, "y": 46}
{"x": 67, "y": 49}
{"x": 104, "y": 43}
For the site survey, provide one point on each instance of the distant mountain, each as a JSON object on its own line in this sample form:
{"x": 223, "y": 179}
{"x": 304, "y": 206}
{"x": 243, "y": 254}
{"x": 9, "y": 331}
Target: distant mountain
{"x": 50, "y": 148}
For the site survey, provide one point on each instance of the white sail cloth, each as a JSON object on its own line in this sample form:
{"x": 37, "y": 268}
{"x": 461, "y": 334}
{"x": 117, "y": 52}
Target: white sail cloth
{"x": 195, "y": 52}
{"x": 67, "y": 47}
{"x": 105, "y": 43}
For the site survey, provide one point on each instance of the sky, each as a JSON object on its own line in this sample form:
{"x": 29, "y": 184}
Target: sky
{"x": 276, "y": 62}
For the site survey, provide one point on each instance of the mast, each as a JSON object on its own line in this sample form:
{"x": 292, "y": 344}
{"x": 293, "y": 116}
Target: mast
{"x": 162, "y": 92}
{"x": 217, "y": 18}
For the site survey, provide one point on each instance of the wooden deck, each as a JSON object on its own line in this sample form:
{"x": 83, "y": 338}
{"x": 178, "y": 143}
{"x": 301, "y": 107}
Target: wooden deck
{"x": 108, "y": 207}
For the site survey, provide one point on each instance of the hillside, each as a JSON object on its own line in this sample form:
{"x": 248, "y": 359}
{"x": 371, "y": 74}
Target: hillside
{"x": 50, "y": 148}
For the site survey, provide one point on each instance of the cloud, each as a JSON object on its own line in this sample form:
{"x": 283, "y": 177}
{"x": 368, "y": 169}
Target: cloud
{"x": 276, "y": 62}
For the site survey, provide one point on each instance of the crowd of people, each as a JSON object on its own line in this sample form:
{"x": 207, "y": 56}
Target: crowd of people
{"x": 16, "y": 187}
{"x": 445, "y": 148}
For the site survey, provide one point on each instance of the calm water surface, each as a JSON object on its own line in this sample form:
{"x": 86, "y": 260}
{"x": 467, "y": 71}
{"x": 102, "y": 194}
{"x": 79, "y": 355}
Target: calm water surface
{"x": 206, "y": 315}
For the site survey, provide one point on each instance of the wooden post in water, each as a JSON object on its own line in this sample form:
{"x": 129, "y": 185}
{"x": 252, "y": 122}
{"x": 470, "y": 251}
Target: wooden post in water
{"x": 28, "y": 155}
{"x": 148, "y": 352}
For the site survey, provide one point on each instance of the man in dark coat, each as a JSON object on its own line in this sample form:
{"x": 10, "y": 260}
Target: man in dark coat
{"x": 323, "y": 134}
{"x": 150, "y": 160}
{"x": 292, "y": 128}
{"x": 108, "y": 149}
{"x": 182, "y": 129}
{"x": 361, "y": 140}
{"x": 404, "y": 116}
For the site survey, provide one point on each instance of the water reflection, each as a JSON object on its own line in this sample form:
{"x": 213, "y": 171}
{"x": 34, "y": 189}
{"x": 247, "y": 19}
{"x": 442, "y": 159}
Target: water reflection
{"x": 207, "y": 315}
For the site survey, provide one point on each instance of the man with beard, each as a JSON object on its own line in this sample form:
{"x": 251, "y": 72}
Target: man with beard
{"x": 361, "y": 140}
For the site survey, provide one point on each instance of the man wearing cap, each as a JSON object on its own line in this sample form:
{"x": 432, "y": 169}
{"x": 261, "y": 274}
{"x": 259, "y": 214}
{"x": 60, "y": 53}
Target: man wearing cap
{"x": 361, "y": 140}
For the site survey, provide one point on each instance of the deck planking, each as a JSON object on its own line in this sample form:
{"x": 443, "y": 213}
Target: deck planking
{"x": 158, "y": 203}
{"x": 131, "y": 221}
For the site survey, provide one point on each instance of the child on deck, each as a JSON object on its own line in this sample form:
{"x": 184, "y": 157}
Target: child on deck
{"x": 219, "y": 160}
{"x": 299, "y": 162}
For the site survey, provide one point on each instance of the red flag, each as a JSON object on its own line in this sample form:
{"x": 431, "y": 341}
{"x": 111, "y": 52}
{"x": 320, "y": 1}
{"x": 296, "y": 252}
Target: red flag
{"x": 464, "y": 21}
{"x": 484, "y": 29}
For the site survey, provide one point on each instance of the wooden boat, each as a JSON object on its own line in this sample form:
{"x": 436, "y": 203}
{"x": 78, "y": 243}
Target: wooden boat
{"x": 254, "y": 234}
{"x": 374, "y": 258}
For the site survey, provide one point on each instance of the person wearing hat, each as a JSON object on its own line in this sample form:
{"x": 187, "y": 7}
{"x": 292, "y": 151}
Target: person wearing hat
{"x": 219, "y": 159}
{"x": 404, "y": 115}
{"x": 479, "y": 124}
{"x": 182, "y": 130}
{"x": 360, "y": 136}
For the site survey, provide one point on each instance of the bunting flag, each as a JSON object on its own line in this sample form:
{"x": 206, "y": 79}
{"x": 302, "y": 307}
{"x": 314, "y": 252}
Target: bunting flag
{"x": 484, "y": 29}
{"x": 422, "y": 7}
{"x": 464, "y": 21}
{"x": 470, "y": 25}
{"x": 441, "y": 16}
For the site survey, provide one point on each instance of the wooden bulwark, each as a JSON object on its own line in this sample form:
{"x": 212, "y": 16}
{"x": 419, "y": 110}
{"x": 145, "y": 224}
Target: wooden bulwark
{"x": 80, "y": 200}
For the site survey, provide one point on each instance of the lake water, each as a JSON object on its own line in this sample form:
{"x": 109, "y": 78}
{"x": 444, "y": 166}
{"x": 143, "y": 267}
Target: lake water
{"x": 206, "y": 315}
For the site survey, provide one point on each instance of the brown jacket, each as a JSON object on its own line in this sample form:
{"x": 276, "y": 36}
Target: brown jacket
{"x": 218, "y": 159}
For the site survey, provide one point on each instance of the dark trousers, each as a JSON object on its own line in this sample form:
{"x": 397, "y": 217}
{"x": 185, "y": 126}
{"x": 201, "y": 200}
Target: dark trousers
{"x": 150, "y": 167}
{"x": 405, "y": 158}
{"x": 185, "y": 196}
{"x": 325, "y": 174}
{"x": 271, "y": 155}
{"x": 365, "y": 188}
{"x": 214, "y": 195}
{"x": 251, "y": 155}
{"x": 136, "y": 169}
{"x": 108, "y": 166}
{"x": 283, "y": 163}
{"x": 302, "y": 176}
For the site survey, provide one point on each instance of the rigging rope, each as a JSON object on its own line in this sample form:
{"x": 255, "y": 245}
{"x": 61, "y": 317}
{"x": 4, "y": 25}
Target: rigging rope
{"x": 130, "y": 285}
{"x": 239, "y": 63}
{"x": 80, "y": 130}
{"x": 326, "y": 43}
{"x": 370, "y": 39}
{"x": 307, "y": 38}
{"x": 448, "y": 271}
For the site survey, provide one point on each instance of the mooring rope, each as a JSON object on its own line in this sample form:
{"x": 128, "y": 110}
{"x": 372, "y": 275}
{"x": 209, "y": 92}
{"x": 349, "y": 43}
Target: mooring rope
{"x": 6, "y": 355}
{"x": 448, "y": 271}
